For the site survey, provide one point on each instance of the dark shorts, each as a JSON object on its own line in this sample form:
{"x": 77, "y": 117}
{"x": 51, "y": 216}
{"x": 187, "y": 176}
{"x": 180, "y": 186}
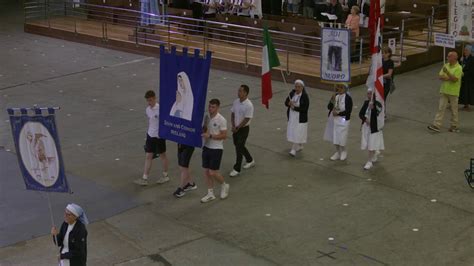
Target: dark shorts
{"x": 211, "y": 158}
{"x": 185, "y": 153}
{"x": 155, "y": 145}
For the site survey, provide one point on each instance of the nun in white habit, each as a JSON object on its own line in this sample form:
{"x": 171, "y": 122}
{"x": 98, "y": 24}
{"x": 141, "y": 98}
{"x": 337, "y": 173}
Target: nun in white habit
{"x": 297, "y": 114}
{"x": 372, "y": 135}
{"x": 337, "y": 127}
{"x": 183, "y": 106}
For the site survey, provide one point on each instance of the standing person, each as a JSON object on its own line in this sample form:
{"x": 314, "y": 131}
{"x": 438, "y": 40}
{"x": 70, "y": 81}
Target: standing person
{"x": 335, "y": 8}
{"x": 149, "y": 13}
{"x": 466, "y": 95}
{"x": 242, "y": 113}
{"x": 450, "y": 75}
{"x": 215, "y": 132}
{"x": 352, "y": 21}
{"x": 388, "y": 67}
{"x": 185, "y": 153}
{"x": 297, "y": 114}
{"x": 154, "y": 146}
{"x": 308, "y": 8}
{"x": 72, "y": 237}
{"x": 372, "y": 136}
{"x": 337, "y": 128}
{"x": 293, "y": 7}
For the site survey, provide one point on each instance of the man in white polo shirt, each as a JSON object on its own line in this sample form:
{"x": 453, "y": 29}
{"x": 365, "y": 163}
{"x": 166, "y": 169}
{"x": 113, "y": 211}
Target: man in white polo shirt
{"x": 242, "y": 112}
{"x": 154, "y": 146}
{"x": 214, "y": 134}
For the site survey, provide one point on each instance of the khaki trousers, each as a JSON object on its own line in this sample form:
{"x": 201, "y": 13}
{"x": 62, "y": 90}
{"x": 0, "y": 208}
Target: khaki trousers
{"x": 444, "y": 100}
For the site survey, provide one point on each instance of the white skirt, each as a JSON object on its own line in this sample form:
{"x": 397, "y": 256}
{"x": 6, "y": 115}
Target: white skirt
{"x": 296, "y": 132}
{"x": 371, "y": 141}
{"x": 337, "y": 130}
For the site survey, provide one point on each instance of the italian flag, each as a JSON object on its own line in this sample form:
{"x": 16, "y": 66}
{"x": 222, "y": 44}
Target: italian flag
{"x": 269, "y": 60}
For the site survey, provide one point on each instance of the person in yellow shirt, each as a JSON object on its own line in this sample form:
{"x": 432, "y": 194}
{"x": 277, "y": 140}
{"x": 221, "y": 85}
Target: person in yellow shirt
{"x": 450, "y": 75}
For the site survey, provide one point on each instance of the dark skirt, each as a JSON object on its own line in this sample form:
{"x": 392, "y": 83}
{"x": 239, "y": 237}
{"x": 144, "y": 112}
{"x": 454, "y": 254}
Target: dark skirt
{"x": 466, "y": 95}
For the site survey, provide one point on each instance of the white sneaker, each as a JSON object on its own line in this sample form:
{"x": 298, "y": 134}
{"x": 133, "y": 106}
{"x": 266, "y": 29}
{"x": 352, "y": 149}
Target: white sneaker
{"x": 234, "y": 173}
{"x": 249, "y": 165}
{"x": 224, "y": 191}
{"x": 292, "y": 153}
{"x": 299, "y": 147}
{"x": 368, "y": 165}
{"x": 163, "y": 180}
{"x": 141, "y": 181}
{"x": 343, "y": 155}
{"x": 335, "y": 156}
{"x": 208, "y": 197}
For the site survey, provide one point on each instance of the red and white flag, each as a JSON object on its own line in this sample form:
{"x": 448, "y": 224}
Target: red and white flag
{"x": 375, "y": 78}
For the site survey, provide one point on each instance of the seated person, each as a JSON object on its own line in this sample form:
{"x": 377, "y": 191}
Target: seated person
{"x": 210, "y": 8}
{"x": 224, "y": 6}
{"x": 236, "y": 5}
{"x": 246, "y": 8}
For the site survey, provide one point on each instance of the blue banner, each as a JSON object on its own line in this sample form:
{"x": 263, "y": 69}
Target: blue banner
{"x": 183, "y": 91}
{"x": 38, "y": 149}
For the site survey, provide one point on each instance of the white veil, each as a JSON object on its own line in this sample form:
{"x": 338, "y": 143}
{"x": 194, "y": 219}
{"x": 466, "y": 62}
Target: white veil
{"x": 184, "y": 107}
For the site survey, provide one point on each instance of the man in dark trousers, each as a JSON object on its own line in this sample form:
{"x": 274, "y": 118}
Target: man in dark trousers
{"x": 242, "y": 112}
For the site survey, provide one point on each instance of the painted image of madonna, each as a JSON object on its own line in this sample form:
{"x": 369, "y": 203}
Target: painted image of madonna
{"x": 39, "y": 153}
{"x": 183, "y": 106}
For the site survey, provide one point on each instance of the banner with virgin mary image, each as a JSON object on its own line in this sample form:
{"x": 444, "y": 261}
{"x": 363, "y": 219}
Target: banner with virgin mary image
{"x": 37, "y": 148}
{"x": 183, "y": 90}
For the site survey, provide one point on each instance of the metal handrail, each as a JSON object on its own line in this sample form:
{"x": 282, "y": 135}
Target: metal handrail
{"x": 174, "y": 30}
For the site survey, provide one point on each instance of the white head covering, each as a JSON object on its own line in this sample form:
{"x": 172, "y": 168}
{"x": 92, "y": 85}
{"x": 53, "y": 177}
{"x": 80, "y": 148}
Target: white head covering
{"x": 299, "y": 81}
{"x": 78, "y": 212}
{"x": 187, "y": 99}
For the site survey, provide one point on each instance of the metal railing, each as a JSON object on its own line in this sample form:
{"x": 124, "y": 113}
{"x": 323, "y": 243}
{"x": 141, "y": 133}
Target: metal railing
{"x": 299, "y": 51}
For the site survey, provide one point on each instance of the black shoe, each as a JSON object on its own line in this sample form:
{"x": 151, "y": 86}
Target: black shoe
{"x": 179, "y": 193}
{"x": 190, "y": 187}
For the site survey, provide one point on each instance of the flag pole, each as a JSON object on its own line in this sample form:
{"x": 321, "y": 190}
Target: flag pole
{"x": 286, "y": 83}
{"x": 50, "y": 212}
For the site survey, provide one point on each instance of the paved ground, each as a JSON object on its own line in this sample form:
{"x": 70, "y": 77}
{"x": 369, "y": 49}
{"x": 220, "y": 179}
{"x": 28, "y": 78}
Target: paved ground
{"x": 413, "y": 208}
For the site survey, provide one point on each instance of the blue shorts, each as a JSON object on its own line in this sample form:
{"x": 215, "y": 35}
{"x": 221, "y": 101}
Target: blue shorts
{"x": 211, "y": 158}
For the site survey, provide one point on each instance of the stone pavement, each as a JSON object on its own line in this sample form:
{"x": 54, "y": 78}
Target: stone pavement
{"x": 413, "y": 208}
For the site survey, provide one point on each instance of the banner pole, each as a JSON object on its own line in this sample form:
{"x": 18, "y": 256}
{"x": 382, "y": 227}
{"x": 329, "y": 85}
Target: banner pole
{"x": 444, "y": 55}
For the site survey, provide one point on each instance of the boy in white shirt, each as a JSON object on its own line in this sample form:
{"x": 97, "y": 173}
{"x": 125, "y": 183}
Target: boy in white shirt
{"x": 154, "y": 146}
{"x": 214, "y": 134}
